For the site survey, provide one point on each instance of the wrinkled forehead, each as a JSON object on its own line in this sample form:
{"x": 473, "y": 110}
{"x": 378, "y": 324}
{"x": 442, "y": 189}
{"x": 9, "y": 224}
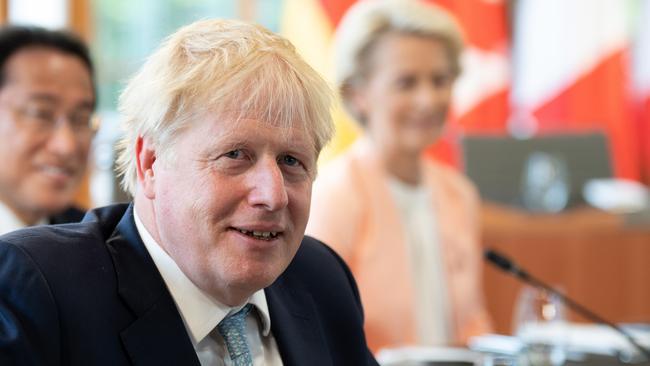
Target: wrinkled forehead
{"x": 290, "y": 132}
{"x": 289, "y": 112}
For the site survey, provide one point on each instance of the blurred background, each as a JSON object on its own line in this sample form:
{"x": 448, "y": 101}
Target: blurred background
{"x": 551, "y": 120}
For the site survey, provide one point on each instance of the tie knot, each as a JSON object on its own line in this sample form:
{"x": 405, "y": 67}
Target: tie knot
{"x": 233, "y": 330}
{"x": 236, "y": 318}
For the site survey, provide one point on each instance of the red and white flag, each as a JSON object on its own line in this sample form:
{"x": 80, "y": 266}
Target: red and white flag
{"x": 642, "y": 87}
{"x": 571, "y": 73}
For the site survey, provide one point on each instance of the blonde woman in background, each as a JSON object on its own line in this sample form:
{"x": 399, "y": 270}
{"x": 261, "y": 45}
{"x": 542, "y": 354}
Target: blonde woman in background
{"x": 407, "y": 226}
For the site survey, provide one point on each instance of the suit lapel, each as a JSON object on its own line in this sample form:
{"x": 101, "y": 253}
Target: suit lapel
{"x": 295, "y": 325}
{"x": 158, "y": 335}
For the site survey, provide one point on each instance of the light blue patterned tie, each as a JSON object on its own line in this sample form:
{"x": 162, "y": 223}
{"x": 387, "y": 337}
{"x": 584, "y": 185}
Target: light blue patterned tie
{"x": 233, "y": 330}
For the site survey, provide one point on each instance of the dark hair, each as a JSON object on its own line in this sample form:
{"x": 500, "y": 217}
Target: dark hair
{"x": 17, "y": 38}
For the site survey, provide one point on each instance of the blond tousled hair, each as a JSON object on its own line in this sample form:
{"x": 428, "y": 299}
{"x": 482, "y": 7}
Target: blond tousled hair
{"x": 368, "y": 20}
{"x": 224, "y": 66}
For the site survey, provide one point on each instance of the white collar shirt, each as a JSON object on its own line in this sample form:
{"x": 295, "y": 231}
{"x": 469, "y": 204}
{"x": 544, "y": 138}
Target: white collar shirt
{"x": 10, "y": 222}
{"x": 201, "y": 313}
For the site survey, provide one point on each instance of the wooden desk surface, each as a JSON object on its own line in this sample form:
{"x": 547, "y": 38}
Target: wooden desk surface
{"x": 591, "y": 255}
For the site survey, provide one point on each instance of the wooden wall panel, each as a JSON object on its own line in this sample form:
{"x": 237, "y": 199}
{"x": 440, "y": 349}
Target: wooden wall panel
{"x": 80, "y": 23}
{"x": 80, "y": 18}
{"x": 3, "y": 11}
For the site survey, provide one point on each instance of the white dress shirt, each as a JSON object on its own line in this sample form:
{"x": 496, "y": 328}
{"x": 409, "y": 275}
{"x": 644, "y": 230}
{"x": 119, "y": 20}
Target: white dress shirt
{"x": 10, "y": 222}
{"x": 201, "y": 313}
{"x": 432, "y": 312}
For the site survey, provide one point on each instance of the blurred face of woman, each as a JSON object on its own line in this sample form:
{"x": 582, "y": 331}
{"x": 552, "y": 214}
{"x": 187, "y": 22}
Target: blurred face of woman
{"x": 407, "y": 92}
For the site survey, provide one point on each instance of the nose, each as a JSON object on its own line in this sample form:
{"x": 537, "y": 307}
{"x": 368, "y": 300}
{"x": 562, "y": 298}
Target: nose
{"x": 63, "y": 141}
{"x": 267, "y": 186}
{"x": 433, "y": 97}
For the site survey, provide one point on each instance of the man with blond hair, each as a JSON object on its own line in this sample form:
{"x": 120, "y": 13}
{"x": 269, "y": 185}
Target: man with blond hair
{"x": 209, "y": 264}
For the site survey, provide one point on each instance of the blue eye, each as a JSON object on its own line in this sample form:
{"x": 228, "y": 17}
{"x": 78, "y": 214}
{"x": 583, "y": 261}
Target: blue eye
{"x": 234, "y": 154}
{"x": 290, "y": 160}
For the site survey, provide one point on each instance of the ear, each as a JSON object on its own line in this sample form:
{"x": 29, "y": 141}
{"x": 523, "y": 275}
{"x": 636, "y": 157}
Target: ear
{"x": 145, "y": 153}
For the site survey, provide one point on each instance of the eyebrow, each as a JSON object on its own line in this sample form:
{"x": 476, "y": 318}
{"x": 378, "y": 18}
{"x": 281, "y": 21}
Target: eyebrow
{"x": 43, "y": 97}
{"x": 49, "y": 98}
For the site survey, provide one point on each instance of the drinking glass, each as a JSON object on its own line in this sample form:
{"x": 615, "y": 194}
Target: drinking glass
{"x": 539, "y": 322}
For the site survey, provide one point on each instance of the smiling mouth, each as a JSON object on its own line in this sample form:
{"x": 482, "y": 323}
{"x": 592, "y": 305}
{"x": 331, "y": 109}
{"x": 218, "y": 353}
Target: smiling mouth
{"x": 56, "y": 170}
{"x": 260, "y": 235}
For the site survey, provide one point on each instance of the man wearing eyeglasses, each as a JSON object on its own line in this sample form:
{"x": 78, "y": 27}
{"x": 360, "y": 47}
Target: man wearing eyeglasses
{"x": 46, "y": 102}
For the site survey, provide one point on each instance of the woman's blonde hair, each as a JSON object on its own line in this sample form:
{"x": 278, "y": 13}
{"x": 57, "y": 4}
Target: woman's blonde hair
{"x": 221, "y": 66}
{"x": 367, "y": 20}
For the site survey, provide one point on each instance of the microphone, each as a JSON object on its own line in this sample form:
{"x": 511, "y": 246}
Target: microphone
{"x": 509, "y": 266}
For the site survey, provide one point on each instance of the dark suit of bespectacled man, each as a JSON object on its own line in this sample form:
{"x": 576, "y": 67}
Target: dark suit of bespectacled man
{"x": 209, "y": 264}
{"x": 47, "y": 99}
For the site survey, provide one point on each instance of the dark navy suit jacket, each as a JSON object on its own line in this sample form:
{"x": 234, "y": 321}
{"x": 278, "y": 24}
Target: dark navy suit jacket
{"x": 71, "y": 214}
{"x": 90, "y": 294}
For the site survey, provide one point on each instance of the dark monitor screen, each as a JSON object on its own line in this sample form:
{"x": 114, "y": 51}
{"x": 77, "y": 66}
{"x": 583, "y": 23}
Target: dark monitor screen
{"x": 497, "y": 165}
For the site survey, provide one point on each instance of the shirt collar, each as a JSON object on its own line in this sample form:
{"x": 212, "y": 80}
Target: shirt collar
{"x": 200, "y": 312}
{"x": 10, "y": 222}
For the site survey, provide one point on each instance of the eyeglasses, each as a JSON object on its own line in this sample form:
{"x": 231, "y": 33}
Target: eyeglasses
{"x": 45, "y": 119}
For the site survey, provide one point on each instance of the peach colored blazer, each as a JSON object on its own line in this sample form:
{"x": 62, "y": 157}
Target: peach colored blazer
{"x": 353, "y": 212}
